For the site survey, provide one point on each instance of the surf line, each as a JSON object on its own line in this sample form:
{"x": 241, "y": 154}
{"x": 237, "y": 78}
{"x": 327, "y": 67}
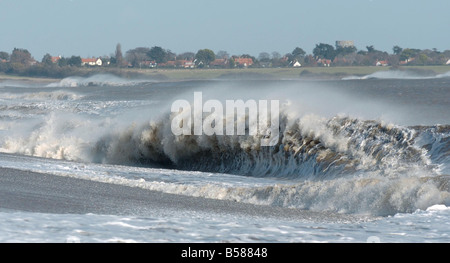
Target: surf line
{"x": 210, "y": 122}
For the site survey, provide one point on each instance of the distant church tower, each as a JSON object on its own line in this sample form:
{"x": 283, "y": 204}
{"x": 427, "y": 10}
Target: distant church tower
{"x": 344, "y": 43}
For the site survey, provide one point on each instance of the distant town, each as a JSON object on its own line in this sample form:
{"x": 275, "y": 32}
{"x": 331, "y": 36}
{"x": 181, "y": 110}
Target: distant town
{"x": 343, "y": 53}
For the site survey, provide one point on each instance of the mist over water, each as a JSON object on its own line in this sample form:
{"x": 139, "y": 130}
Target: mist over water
{"x": 376, "y": 146}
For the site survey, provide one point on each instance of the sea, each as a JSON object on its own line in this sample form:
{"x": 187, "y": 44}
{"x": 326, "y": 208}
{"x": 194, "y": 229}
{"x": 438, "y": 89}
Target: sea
{"x": 95, "y": 160}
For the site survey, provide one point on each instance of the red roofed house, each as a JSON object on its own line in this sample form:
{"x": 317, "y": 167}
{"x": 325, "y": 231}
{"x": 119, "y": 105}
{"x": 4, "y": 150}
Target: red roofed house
{"x": 182, "y": 63}
{"x": 189, "y": 64}
{"x": 382, "y": 63}
{"x": 243, "y": 62}
{"x": 404, "y": 62}
{"x": 55, "y": 59}
{"x": 219, "y": 62}
{"x": 168, "y": 64}
{"x": 324, "y": 62}
{"x": 91, "y": 62}
{"x": 148, "y": 64}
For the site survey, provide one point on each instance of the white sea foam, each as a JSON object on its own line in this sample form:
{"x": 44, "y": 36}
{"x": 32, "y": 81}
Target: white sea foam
{"x": 41, "y": 96}
{"x": 398, "y": 74}
{"x": 431, "y": 225}
{"x": 96, "y": 80}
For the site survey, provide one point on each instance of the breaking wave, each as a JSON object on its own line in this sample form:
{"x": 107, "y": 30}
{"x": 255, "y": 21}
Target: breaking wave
{"x": 400, "y": 74}
{"x": 96, "y": 80}
{"x": 43, "y": 95}
{"x": 309, "y": 147}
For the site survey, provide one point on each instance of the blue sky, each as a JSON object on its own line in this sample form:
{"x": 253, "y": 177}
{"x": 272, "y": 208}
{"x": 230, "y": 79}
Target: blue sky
{"x": 94, "y": 27}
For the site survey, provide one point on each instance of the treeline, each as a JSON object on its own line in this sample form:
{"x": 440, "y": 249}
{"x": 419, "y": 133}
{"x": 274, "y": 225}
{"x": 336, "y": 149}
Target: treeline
{"x": 350, "y": 56}
{"x": 322, "y": 55}
{"x": 21, "y": 62}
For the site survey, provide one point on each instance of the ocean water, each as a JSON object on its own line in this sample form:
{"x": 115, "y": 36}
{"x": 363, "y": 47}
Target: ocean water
{"x": 358, "y": 160}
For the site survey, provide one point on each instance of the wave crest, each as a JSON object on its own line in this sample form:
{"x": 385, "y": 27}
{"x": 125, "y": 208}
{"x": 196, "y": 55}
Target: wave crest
{"x": 309, "y": 146}
{"x": 95, "y": 80}
{"x": 401, "y": 74}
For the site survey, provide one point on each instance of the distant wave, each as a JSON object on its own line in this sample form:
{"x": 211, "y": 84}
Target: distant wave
{"x": 399, "y": 74}
{"x": 96, "y": 80}
{"x": 43, "y": 95}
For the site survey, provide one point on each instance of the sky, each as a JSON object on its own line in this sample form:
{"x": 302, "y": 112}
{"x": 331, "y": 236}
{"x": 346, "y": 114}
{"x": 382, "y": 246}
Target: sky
{"x": 90, "y": 28}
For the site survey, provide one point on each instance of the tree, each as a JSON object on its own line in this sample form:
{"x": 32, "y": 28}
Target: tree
{"x": 408, "y": 53}
{"x": 397, "y": 50}
{"x": 231, "y": 63}
{"x": 157, "y": 54}
{"x": 370, "y": 49}
{"x": 137, "y": 56}
{"x": 264, "y": 57}
{"x": 187, "y": 56}
{"x": 222, "y": 54}
{"x": 309, "y": 61}
{"x": 204, "y": 57}
{"x": 119, "y": 56}
{"x": 4, "y": 55}
{"x": 47, "y": 60}
{"x": 62, "y": 62}
{"x": 298, "y": 53}
{"x": 21, "y": 56}
{"x": 276, "y": 55}
{"x": 170, "y": 55}
{"x": 422, "y": 59}
{"x": 74, "y": 61}
{"x": 325, "y": 51}
{"x": 343, "y": 51}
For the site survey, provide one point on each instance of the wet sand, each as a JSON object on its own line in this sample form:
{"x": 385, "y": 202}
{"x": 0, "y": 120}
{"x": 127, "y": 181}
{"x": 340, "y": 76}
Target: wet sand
{"x": 45, "y": 193}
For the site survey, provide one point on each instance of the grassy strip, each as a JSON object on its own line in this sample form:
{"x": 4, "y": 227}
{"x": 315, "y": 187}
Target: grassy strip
{"x": 4, "y": 77}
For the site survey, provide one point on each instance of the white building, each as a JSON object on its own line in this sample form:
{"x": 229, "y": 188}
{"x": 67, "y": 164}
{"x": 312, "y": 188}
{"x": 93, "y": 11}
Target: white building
{"x": 91, "y": 62}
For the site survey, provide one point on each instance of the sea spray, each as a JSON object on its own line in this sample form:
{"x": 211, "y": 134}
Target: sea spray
{"x": 401, "y": 74}
{"x": 96, "y": 80}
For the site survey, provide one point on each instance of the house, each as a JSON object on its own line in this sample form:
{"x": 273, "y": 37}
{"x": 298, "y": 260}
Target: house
{"x": 189, "y": 64}
{"x": 324, "y": 62}
{"x": 148, "y": 64}
{"x": 91, "y": 62}
{"x": 32, "y": 62}
{"x": 185, "y": 63}
{"x": 404, "y": 62}
{"x": 55, "y": 59}
{"x": 382, "y": 63}
{"x": 296, "y": 64}
{"x": 245, "y": 62}
{"x": 221, "y": 62}
{"x": 168, "y": 64}
{"x": 265, "y": 64}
